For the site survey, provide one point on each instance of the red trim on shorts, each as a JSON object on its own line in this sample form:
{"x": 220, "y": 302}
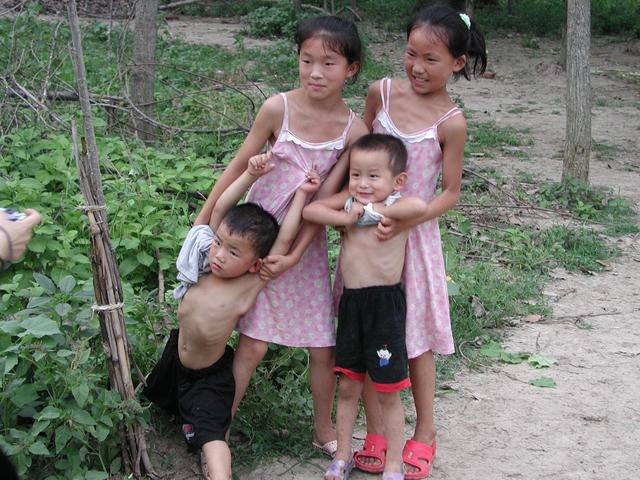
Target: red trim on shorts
{"x": 359, "y": 376}
{"x": 392, "y": 387}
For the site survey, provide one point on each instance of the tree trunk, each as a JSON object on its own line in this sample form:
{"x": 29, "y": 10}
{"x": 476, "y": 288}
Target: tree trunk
{"x": 578, "y": 142}
{"x": 106, "y": 279}
{"x": 142, "y": 69}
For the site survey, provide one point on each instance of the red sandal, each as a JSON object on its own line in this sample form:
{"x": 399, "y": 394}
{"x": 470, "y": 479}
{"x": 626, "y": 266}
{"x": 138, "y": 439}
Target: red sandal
{"x": 375, "y": 446}
{"x": 418, "y": 455}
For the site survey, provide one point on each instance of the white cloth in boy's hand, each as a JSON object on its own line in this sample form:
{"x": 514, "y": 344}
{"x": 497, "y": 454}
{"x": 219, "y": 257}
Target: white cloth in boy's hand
{"x": 370, "y": 216}
{"x": 193, "y": 259}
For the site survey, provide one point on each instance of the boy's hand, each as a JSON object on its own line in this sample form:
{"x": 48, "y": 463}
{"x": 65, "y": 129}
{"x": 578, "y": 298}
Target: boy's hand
{"x": 357, "y": 210}
{"x": 312, "y": 184}
{"x": 260, "y": 165}
{"x": 275, "y": 265}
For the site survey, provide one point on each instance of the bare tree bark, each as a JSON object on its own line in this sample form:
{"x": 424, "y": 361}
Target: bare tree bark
{"x": 143, "y": 68}
{"x": 578, "y": 142}
{"x": 106, "y": 279}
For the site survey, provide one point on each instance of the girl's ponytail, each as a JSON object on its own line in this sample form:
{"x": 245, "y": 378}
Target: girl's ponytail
{"x": 461, "y": 35}
{"x": 477, "y": 50}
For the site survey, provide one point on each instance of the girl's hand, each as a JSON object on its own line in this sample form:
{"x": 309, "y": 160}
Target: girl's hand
{"x": 275, "y": 265}
{"x": 312, "y": 184}
{"x": 260, "y": 165}
{"x": 388, "y": 228}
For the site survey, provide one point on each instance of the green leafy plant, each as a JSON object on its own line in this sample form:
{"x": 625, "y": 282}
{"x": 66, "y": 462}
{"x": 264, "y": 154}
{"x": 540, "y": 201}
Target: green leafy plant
{"x": 59, "y": 417}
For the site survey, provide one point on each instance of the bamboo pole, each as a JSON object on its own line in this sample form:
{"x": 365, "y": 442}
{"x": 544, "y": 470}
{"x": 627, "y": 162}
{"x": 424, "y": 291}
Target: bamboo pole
{"x": 106, "y": 278}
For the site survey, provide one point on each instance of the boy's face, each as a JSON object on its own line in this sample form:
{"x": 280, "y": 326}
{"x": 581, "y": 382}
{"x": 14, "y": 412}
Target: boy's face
{"x": 370, "y": 177}
{"x": 231, "y": 255}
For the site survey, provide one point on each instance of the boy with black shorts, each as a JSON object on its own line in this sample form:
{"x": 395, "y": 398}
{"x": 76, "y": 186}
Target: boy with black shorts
{"x": 194, "y": 378}
{"x": 371, "y": 317}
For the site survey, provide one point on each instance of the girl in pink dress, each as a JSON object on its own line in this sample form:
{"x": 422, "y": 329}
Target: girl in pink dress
{"x": 440, "y": 43}
{"x": 308, "y": 128}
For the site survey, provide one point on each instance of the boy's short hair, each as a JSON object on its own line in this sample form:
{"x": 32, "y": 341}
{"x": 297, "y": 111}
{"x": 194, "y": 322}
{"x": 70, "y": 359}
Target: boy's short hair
{"x": 254, "y": 223}
{"x": 393, "y": 146}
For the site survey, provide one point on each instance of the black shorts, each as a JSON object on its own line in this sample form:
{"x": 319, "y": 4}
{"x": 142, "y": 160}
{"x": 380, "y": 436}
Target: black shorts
{"x": 201, "y": 398}
{"x": 371, "y": 336}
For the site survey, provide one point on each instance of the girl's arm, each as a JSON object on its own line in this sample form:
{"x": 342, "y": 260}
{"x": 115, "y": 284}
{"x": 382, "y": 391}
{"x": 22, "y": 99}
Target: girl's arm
{"x": 330, "y": 211}
{"x": 275, "y": 265}
{"x": 454, "y": 135}
{"x": 265, "y": 125}
{"x": 404, "y": 209}
{"x": 258, "y": 166}
{"x": 372, "y": 104}
{"x": 292, "y": 220}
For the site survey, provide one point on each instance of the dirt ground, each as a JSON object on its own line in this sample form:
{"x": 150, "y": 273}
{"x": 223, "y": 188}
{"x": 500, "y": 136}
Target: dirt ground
{"x": 492, "y": 424}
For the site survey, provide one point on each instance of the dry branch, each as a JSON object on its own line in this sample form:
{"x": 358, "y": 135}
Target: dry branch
{"x": 106, "y": 278}
{"x": 180, "y": 3}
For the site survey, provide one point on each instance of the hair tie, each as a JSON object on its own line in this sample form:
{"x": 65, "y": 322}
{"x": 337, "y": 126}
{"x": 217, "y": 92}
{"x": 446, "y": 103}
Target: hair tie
{"x": 465, "y": 18}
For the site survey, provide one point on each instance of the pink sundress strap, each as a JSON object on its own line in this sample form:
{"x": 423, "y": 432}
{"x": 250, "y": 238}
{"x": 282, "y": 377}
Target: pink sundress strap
{"x": 385, "y": 93}
{"x": 451, "y": 113}
{"x": 285, "y": 117}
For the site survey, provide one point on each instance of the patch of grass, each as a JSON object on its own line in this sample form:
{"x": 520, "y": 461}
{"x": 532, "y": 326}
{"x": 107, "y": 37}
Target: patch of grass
{"x": 488, "y": 136}
{"x": 517, "y": 110}
{"x": 530, "y": 42}
{"x": 586, "y": 201}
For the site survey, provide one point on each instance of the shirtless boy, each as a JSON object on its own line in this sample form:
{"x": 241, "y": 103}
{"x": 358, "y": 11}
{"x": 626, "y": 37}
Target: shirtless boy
{"x": 194, "y": 377}
{"x": 371, "y": 317}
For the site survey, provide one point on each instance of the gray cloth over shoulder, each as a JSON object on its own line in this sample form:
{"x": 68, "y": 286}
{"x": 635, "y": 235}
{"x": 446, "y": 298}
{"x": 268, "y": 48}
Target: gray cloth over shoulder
{"x": 193, "y": 259}
{"x": 370, "y": 216}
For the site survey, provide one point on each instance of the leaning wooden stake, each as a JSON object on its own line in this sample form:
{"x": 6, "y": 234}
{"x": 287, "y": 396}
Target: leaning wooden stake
{"x": 106, "y": 278}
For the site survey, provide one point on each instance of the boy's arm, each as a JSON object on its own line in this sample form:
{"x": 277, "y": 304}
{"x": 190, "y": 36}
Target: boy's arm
{"x": 293, "y": 219}
{"x": 330, "y": 211}
{"x": 258, "y": 165}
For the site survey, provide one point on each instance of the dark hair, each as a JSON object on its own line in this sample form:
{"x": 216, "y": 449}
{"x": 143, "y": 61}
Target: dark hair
{"x": 460, "y": 39}
{"x": 338, "y": 34}
{"x": 392, "y": 146}
{"x": 254, "y": 223}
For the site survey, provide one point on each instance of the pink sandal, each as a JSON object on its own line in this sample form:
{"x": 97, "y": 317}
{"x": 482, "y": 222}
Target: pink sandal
{"x": 340, "y": 469}
{"x": 375, "y": 446}
{"x": 418, "y": 455}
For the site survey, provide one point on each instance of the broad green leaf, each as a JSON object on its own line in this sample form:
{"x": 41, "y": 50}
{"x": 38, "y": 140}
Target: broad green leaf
{"x": 82, "y": 417}
{"x": 543, "y": 382}
{"x": 38, "y": 448}
{"x": 38, "y": 301}
{"x": 452, "y": 289}
{"x": 63, "y": 434}
{"x": 64, "y": 353}
{"x": 491, "y": 349}
{"x": 144, "y": 258}
{"x": 67, "y": 283}
{"x": 10, "y": 327}
{"x": 128, "y": 265}
{"x": 538, "y": 361}
{"x": 514, "y": 358}
{"x": 62, "y": 309}
{"x": 45, "y": 282}
{"x": 49, "y": 413}
{"x": 24, "y": 395}
{"x": 101, "y": 433}
{"x": 39, "y": 327}
{"x": 96, "y": 475}
{"x": 80, "y": 393}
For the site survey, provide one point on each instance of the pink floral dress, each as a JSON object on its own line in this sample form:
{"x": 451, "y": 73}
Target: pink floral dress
{"x": 295, "y": 309}
{"x": 425, "y": 282}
